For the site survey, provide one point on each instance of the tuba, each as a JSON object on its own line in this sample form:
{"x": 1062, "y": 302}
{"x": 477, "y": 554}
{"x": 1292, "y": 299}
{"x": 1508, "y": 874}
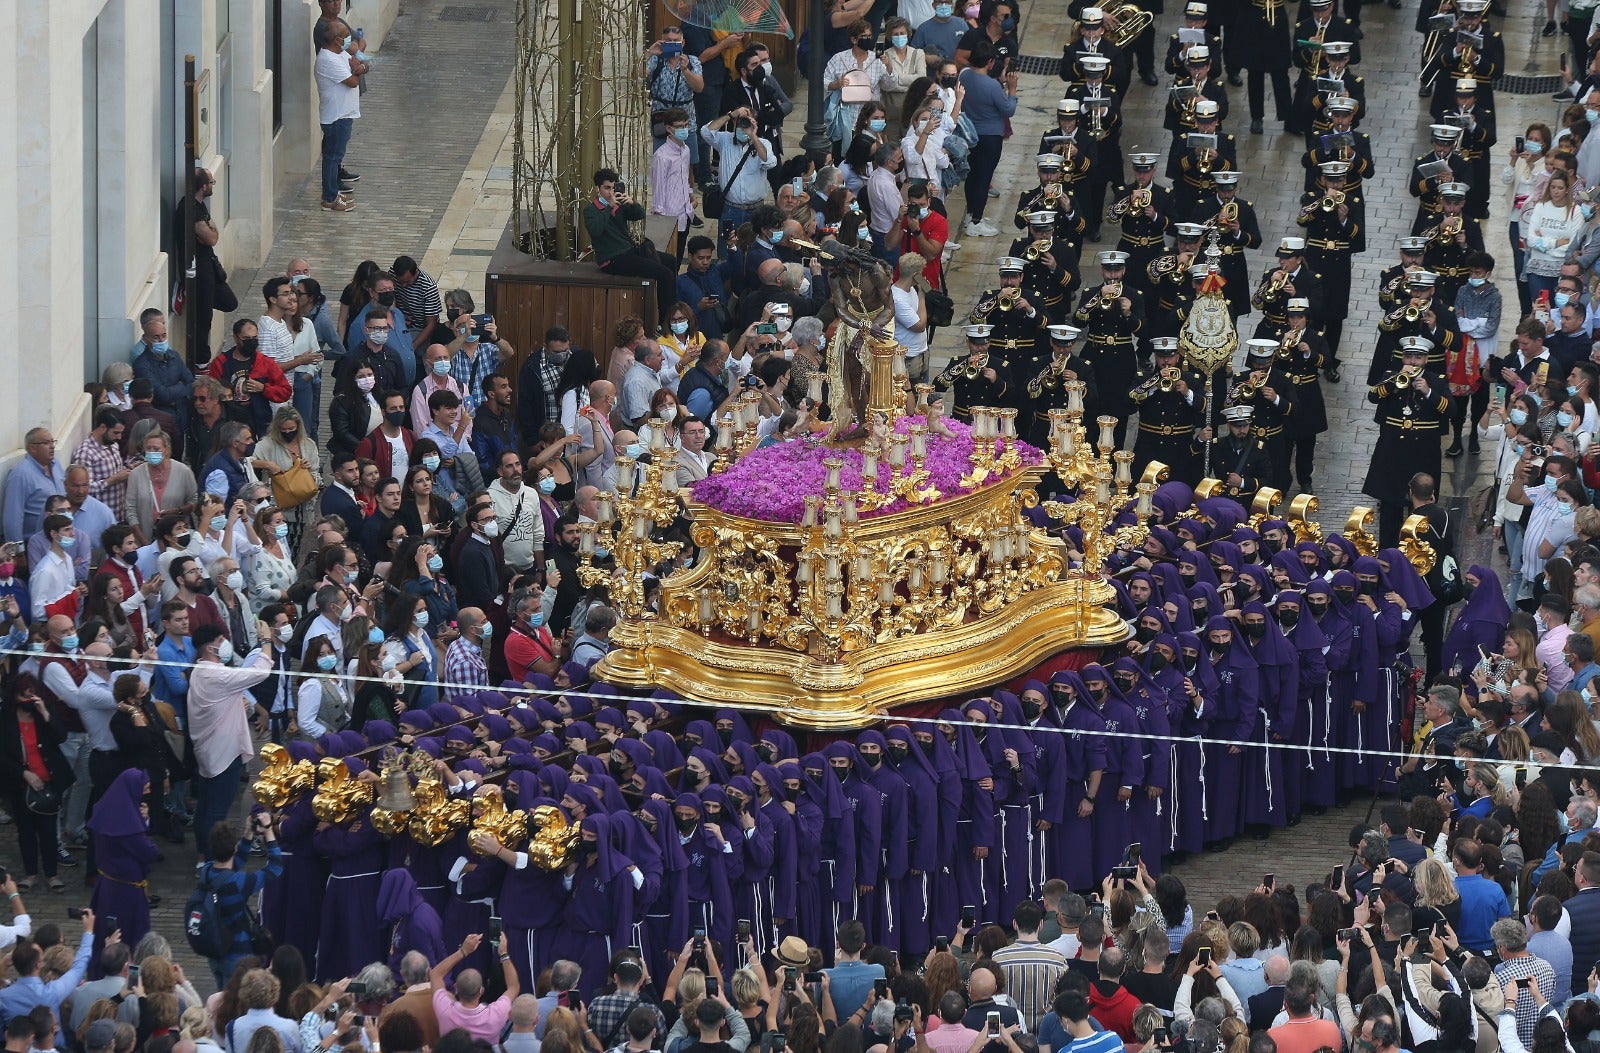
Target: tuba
{"x": 1127, "y": 22}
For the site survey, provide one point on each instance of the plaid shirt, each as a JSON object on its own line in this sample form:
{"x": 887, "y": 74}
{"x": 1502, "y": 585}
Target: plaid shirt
{"x": 608, "y": 1013}
{"x": 550, "y": 373}
{"x": 103, "y": 462}
{"x": 471, "y": 372}
{"x": 464, "y": 669}
{"x": 1513, "y": 969}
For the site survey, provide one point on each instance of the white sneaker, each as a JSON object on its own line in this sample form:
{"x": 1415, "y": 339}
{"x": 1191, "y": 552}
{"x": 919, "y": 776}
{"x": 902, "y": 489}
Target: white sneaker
{"x": 994, "y": 192}
{"x": 981, "y": 229}
{"x": 951, "y": 246}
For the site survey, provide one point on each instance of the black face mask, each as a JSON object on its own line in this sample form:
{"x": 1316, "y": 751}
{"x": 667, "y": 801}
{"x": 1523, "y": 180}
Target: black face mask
{"x": 927, "y": 747}
{"x": 864, "y": 43}
{"x": 452, "y": 313}
{"x": 1467, "y": 588}
{"x": 947, "y": 82}
{"x": 1369, "y": 588}
{"x": 898, "y": 754}
{"x": 1309, "y": 568}
{"x": 248, "y": 347}
{"x": 386, "y": 299}
{"x": 1255, "y": 632}
{"x": 686, "y": 826}
{"x": 1187, "y": 579}
{"x": 1144, "y": 633}
{"x": 726, "y": 735}
{"x": 1345, "y": 595}
{"x": 713, "y": 816}
{"x": 1246, "y": 591}
{"x": 620, "y": 771}
{"x": 1218, "y": 648}
{"x": 395, "y": 419}
{"x": 873, "y": 759}
{"x": 1031, "y": 709}
{"x": 588, "y": 848}
{"x": 1098, "y": 693}
{"x": 634, "y": 798}
{"x": 1062, "y": 695}
{"x": 841, "y": 773}
{"x": 765, "y": 751}
{"x": 1317, "y": 609}
{"x": 1288, "y": 619}
{"x": 1274, "y": 546}
{"x": 1158, "y": 662}
{"x": 1191, "y": 661}
{"x": 1125, "y": 686}
{"x": 816, "y": 777}
{"x": 1199, "y": 612}
{"x": 757, "y": 75}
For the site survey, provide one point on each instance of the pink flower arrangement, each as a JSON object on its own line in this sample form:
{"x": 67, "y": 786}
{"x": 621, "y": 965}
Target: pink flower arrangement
{"x": 772, "y": 483}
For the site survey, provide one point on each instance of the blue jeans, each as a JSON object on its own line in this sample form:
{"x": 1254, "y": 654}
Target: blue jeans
{"x": 308, "y": 400}
{"x": 214, "y": 800}
{"x": 731, "y": 218}
{"x": 222, "y": 968}
{"x": 335, "y": 141}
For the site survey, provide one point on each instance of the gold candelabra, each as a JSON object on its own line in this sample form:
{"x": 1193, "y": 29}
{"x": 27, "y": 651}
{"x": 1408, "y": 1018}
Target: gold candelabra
{"x": 1103, "y": 478}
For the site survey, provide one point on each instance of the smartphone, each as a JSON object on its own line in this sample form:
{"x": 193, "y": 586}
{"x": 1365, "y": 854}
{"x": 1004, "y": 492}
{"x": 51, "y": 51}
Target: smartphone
{"x": 133, "y": 975}
{"x": 75, "y": 913}
{"x": 699, "y": 939}
{"x": 1266, "y": 880}
{"x": 799, "y": 184}
{"x": 636, "y": 951}
{"x": 880, "y": 987}
{"x": 671, "y": 48}
{"x": 1212, "y": 915}
{"x": 356, "y": 987}
{"x": 112, "y": 924}
{"x": 711, "y": 985}
{"x": 1497, "y": 395}
{"x": 575, "y": 999}
{"x": 1517, "y": 148}
{"x": 1124, "y": 873}
{"x": 1337, "y": 881}
{"x": 942, "y": 944}
{"x": 766, "y": 329}
{"x": 790, "y": 976}
{"x": 969, "y": 916}
{"x": 494, "y": 928}
{"x": 1348, "y": 935}
{"x": 1204, "y": 957}
{"x": 744, "y": 927}
{"x": 814, "y": 977}
{"x": 993, "y": 1024}
{"x": 1160, "y": 1035}
{"x": 777, "y": 1040}
{"x": 1524, "y": 981}
{"x": 1130, "y": 856}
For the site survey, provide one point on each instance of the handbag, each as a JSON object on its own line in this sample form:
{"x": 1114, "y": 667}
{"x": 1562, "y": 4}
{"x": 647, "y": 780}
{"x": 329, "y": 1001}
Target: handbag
{"x": 855, "y": 87}
{"x": 717, "y": 196}
{"x": 293, "y": 486}
{"x": 941, "y": 308}
{"x": 46, "y": 800}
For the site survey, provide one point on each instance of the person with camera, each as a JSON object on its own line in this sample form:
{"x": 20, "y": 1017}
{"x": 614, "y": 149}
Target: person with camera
{"x": 606, "y": 216}
{"x": 226, "y": 875}
{"x": 743, "y": 159}
{"x": 466, "y": 1008}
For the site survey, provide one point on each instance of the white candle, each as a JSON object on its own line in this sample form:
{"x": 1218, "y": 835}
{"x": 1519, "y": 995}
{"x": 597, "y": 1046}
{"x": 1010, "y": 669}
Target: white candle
{"x": 886, "y": 591}
{"x": 1023, "y": 542}
{"x": 940, "y": 567}
{"x": 602, "y": 507}
{"x": 752, "y": 621}
{"x": 708, "y": 609}
{"x": 835, "y": 606}
{"x": 1146, "y": 491}
{"x": 897, "y": 452}
{"x": 658, "y": 435}
{"x": 625, "y": 474}
{"x": 809, "y": 517}
{"x": 641, "y": 527}
{"x": 914, "y": 577}
{"x": 1075, "y": 389}
{"x": 802, "y": 570}
{"x": 832, "y": 464}
{"x": 586, "y": 540}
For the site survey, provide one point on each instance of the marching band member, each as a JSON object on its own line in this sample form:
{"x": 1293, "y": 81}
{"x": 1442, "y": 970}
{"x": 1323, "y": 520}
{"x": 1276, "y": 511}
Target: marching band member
{"x": 1312, "y": 34}
{"x": 1263, "y": 48}
{"x": 1302, "y": 354}
{"x": 1055, "y": 196}
{"x": 1237, "y": 230}
{"x": 1412, "y": 408}
{"x": 1048, "y": 389}
{"x": 1334, "y": 221}
{"x": 1145, "y": 210}
{"x": 1169, "y": 281}
{"x": 1195, "y": 84}
{"x": 1100, "y": 114}
{"x": 1477, "y": 140}
{"x": 1238, "y": 458}
{"x": 1339, "y": 141}
{"x": 1270, "y": 394}
{"x": 1334, "y": 80}
{"x": 1195, "y": 18}
{"x": 1111, "y": 316}
{"x": 1050, "y": 264}
{"x": 1291, "y": 277}
{"x": 1425, "y": 185}
{"x": 1014, "y": 312}
{"x": 1079, "y": 150}
{"x": 1471, "y": 49}
{"x": 1171, "y": 406}
{"x": 978, "y": 379}
{"x": 1422, "y": 313}
{"x": 1199, "y": 160}
{"x": 1452, "y": 241}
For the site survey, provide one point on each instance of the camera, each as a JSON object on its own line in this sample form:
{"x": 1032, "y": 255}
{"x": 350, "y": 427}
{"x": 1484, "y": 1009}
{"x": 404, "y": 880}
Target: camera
{"x": 902, "y": 1011}
{"x": 1124, "y": 873}
{"x": 620, "y": 187}
{"x": 671, "y": 48}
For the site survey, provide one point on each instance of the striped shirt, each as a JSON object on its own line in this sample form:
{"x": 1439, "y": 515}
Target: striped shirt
{"x": 419, "y": 301}
{"x": 1099, "y": 1042}
{"x": 1032, "y": 970}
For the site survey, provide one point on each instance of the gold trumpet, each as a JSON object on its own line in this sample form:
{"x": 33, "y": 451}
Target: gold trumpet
{"x": 1404, "y": 378}
{"x": 1290, "y": 344}
{"x": 1277, "y": 281}
{"x": 1413, "y": 311}
{"x": 1332, "y": 200}
{"x": 1228, "y": 214}
{"x": 1204, "y": 158}
{"x": 1251, "y": 387}
{"x": 1052, "y": 191}
{"x": 1009, "y": 298}
{"x": 1037, "y": 249}
{"x": 1169, "y": 377}
{"x": 973, "y": 368}
{"x": 1108, "y": 296}
{"x": 1140, "y": 199}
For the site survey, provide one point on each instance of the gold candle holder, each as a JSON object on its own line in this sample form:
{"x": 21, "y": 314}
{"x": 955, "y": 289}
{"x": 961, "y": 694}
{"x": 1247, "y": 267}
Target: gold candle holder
{"x": 1108, "y": 434}
{"x": 1075, "y": 391}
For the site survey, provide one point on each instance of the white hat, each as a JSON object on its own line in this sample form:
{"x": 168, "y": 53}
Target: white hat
{"x": 1229, "y": 178}
{"x": 1206, "y": 109}
{"x": 1341, "y": 104}
{"x": 1473, "y": 7}
{"x": 1065, "y": 334}
{"x": 1415, "y": 345}
{"x": 1049, "y": 161}
{"x": 1414, "y": 244}
{"x": 1261, "y": 347}
{"x": 1190, "y": 230}
{"x": 1113, "y": 258}
{"x": 1199, "y": 270}
{"x": 1239, "y": 414}
{"x": 1164, "y": 345}
{"x": 1194, "y": 9}
{"x": 979, "y": 334}
{"x": 1336, "y": 48}
{"x": 1041, "y": 219}
{"x": 1422, "y": 279}
{"x": 1068, "y": 108}
{"x": 1144, "y": 159}
{"x": 1094, "y": 63}
{"x": 1467, "y": 86}
{"x": 1445, "y": 133}
{"x": 1453, "y": 189}
{"x": 1197, "y": 54}
{"x": 1012, "y": 264}
{"x": 1297, "y": 304}
{"x": 1291, "y": 247}
{"x": 1334, "y": 169}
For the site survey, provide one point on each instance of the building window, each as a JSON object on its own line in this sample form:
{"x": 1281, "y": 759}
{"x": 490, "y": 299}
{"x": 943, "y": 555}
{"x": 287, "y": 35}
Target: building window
{"x": 275, "y": 60}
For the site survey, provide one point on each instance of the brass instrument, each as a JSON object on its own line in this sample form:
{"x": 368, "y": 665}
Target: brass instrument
{"x": 1446, "y": 231}
{"x": 509, "y": 827}
{"x": 1433, "y": 46}
{"x": 1140, "y": 199}
{"x": 1316, "y": 53}
{"x": 1204, "y": 158}
{"x": 1037, "y": 249}
{"x": 1419, "y": 552}
{"x": 282, "y": 781}
{"x": 339, "y": 794}
{"x": 1108, "y": 296}
{"x": 1290, "y": 344}
{"x": 1052, "y": 191}
{"x": 1413, "y": 311}
{"x": 1404, "y": 378}
{"x": 554, "y": 844}
{"x": 1051, "y": 376}
{"x": 1247, "y": 391}
{"x": 1168, "y": 377}
{"x": 1009, "y": 298}
{"x": 1228, "y": 214}
{"x": 1276, "y": 281}
{"x": 1332, "y": 200}
{"x": 1126, "y": 22}
{"x": 972, "y": 369}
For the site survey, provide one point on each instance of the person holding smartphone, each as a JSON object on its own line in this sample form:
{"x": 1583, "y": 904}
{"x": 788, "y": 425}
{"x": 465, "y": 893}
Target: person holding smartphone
{"x": 225, "y": 872}
{"x": 1530, "y": 981}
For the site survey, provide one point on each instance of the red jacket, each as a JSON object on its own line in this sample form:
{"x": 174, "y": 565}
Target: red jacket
{"x": 1114, "y": 1009}
{"x": 275, "y": 384}
{"x": 375, "y": 448}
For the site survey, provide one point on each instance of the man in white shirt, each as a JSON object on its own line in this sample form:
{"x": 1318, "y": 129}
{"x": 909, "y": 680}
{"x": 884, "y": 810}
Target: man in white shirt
{"x": 517, "y": 508}
{"x": 339, "y": 95}
{"x": 331, "y": 603}
{"x": 55, "y": 581}
{"x": 219, "y": 725}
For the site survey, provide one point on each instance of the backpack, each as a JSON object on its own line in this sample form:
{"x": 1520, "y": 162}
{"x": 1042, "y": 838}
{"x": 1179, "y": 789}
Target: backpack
{"x": 202, "y": 920}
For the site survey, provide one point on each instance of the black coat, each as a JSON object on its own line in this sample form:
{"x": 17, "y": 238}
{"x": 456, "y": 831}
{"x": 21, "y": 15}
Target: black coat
{"x": 351, "y": 421}
{"x": 51, "y": 736}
